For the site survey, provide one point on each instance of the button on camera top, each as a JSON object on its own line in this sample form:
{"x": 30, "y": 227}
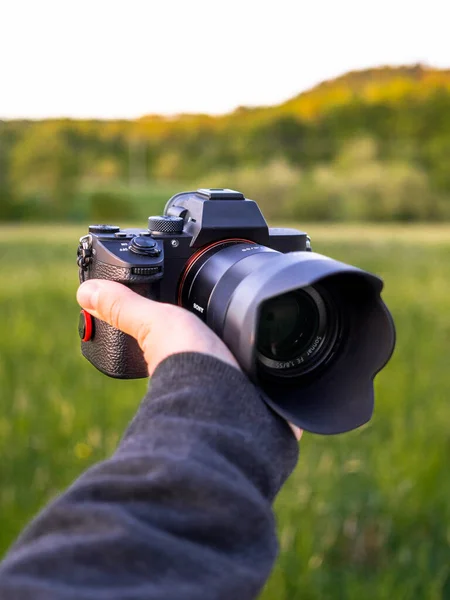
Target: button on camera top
{"x": 103, "y": 229}
{"x": 143, "y": 242}
{"x": 124, "y": 234}
{"x": 144, "y": 245}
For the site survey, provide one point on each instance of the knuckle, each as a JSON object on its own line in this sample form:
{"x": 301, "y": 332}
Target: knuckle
{"x": 113, "y": 312}
{"x": 143, "y": 335}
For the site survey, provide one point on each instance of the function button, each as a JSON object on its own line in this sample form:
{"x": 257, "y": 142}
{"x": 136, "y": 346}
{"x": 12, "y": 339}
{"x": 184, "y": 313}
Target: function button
{"x": 143, "y": 242}
{"x": 144, "y": 245}
{"x": 124, "y": 235}
{"x": 103, "y": 229}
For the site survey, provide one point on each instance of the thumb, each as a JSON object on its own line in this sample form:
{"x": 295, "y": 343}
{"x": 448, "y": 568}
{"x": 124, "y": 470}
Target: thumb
{"x": 118, "y": 306}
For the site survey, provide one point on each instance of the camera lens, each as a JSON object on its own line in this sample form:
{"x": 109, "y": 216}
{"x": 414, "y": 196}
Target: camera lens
{"x": 292, "y": 332}
{"x": 295, "y": 331}
{"x": 287, "y": 325}
{"x": 311, "y": 332}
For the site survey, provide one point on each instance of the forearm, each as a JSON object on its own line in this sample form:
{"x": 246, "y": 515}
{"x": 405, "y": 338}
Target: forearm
{"x": 182, "y": 509}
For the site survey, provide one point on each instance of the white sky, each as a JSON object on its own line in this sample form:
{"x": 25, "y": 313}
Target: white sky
{"x": 98, "y": 58}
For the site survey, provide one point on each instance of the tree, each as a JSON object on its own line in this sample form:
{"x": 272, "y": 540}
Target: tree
{"x": 45, "y": 170}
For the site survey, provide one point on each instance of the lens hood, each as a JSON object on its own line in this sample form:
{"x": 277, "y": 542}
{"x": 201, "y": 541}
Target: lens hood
{"x": 340, "y": 397}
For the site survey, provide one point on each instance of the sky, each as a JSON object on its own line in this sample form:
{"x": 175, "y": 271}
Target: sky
{"x": 109, "y": 59}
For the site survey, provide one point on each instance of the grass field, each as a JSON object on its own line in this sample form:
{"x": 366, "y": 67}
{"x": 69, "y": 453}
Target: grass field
{"x": 365, "y": 516}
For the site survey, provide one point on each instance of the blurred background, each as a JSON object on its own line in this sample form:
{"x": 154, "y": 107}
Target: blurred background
{"x": 336, "y": 120}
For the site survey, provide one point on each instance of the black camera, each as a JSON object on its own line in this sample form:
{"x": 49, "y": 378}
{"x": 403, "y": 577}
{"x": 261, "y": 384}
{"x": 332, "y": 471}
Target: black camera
{"x": 310, "y": 331}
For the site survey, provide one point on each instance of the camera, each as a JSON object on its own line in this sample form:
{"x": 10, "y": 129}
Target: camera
{"x": 310, "y": 331}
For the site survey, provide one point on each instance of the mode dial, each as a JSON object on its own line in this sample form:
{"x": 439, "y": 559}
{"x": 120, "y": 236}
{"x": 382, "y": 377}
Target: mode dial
{"x": 165, "y": 224}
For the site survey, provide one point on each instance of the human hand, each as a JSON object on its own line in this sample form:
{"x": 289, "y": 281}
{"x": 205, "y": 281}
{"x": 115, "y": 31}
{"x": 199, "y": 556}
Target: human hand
{"x": 160, "y": 329}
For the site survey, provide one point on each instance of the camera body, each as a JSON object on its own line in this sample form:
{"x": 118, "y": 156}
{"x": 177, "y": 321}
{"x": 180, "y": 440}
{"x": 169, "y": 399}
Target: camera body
{"x": 155, "y": 262}
{"x": 310, "y": 331}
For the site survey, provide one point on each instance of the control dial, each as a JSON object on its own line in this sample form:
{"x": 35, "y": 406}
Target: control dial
{"x": 144, "y": 245}
{"x": 165, "y": 224}
{"x": 103, "y": 229}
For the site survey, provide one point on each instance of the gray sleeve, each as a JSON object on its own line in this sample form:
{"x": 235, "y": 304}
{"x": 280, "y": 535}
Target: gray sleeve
{"x": 181, "y": 510}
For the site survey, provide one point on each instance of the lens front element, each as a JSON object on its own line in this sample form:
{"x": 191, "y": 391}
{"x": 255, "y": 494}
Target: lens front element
{"x": 292, "y": 332}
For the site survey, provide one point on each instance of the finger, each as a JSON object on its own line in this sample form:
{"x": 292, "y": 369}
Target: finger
{"x": 121, "y": 308}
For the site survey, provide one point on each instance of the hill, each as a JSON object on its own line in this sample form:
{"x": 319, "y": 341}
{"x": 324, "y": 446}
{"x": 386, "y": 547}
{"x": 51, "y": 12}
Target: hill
{"x": 380, "y": 84}
{"x": 371, "y": 144}
{"x": 387, "y": 84}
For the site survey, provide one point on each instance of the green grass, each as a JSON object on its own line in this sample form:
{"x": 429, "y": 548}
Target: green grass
{"x": 366, "y": 515}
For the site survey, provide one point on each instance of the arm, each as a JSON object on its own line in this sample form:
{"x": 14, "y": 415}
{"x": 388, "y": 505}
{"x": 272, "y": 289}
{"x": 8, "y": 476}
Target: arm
{"x": 182, "y": 509}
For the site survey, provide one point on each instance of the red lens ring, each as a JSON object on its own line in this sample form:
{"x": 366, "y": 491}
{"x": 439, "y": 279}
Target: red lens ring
{"x": 194, "y": 258}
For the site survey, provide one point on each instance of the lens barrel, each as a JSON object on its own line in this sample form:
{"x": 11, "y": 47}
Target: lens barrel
{"x": 312, "y": 332}
{"x": 296, "y": 331}
{"x": 212, "y": 274}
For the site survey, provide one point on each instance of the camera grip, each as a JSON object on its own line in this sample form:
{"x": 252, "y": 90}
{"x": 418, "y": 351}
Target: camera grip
{"x": 114, "y": 353}
{"x": 111, "y": 351}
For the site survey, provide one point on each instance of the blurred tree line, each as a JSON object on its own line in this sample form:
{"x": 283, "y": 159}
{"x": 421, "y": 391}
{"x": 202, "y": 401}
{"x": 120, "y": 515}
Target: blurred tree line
{"x": 372, "y": 145}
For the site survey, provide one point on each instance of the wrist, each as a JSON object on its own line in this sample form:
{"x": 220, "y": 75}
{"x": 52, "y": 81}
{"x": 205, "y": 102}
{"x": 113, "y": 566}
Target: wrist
{"x": 208, "y": 391}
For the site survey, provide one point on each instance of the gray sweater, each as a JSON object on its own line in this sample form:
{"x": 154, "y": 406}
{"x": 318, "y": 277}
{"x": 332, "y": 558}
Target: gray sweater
{"x": 181, "y": 510}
